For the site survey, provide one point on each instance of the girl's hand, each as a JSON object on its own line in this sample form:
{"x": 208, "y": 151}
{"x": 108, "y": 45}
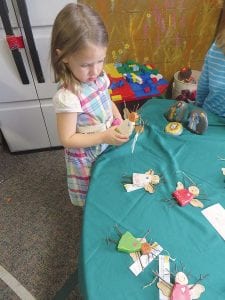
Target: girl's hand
{"x": 112, "y": 137}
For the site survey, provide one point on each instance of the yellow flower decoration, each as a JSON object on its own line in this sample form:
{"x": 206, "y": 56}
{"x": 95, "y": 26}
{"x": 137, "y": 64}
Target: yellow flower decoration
{"x": 120, "y": 51}
{"x": 126, "y": 46}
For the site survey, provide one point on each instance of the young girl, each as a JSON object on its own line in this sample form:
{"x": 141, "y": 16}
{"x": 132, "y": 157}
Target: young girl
{"x": 211, "y": 85}
{"x": 83, "y": 106}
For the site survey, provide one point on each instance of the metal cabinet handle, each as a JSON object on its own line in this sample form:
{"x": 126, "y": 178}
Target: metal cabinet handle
{"x": 30, "y": 39}
{"x": 4, "y": 12}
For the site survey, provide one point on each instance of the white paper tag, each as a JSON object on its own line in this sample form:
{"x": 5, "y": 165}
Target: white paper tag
{"x": 137, "y": 267}
{"x": 164, "y": 273}
{"x": 215, "y": 214}
{"x": 131, "y": 187}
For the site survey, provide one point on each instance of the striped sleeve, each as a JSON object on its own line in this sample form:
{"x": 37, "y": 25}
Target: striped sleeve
{"x": 203, "y": 83}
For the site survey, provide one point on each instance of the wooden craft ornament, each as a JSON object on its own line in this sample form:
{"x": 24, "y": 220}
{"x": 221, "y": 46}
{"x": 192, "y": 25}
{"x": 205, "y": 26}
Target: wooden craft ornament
{"x": 129, "y": 244}
{"x": 185, "y": 196}
{"x": 128, "y": 124}
{"x": 148, "y": 181}
{"x": 139, "y": 249}
{"x": 180, "y": 290}
{"x": 132, "y": 122}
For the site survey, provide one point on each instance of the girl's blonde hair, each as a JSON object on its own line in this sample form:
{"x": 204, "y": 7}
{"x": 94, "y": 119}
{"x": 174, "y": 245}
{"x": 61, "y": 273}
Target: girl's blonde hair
{"x": 74, "y": 26}
{"x": 220, "y": 37}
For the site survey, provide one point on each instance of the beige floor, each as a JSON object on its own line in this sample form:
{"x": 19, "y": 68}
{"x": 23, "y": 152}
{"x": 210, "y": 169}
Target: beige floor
{"x": 39, "y": 227}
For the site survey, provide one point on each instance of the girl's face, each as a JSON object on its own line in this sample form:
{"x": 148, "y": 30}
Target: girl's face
{"x": 87, "y": 64}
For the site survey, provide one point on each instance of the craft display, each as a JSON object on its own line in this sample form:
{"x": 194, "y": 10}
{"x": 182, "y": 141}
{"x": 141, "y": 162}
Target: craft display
{"x": 197, "y": 121}
{"x": 147, "y": 181}
{"x": 174, "y": 128}
{"x": 177, "y": 112}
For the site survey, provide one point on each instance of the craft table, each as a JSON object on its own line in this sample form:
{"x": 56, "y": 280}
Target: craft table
{"x": 183, "y": 231}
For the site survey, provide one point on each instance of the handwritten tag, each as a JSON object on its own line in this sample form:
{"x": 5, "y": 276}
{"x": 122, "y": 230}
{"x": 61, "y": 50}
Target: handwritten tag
{"x": 164, "y": 273}
{"x": 139, "y": 265}
{"x": 215, "y": 214}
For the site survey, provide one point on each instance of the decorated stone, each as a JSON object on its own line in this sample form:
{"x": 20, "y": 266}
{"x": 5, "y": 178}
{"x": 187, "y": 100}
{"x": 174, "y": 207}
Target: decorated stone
{"x": 177, "y": 112}
{"x": 174, "y": 128}
{"x": 197, "y": 121}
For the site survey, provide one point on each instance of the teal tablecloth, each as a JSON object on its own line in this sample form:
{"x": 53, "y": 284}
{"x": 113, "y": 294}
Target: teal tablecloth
{"x": 182, "y": 231}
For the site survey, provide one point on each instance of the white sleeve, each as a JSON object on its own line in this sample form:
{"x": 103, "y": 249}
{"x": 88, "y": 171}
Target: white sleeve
{"x": 66, "y": 101}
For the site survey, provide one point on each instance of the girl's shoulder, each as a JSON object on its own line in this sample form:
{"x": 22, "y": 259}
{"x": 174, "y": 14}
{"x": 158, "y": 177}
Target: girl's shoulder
{"x": 215, "y": 50}
{"x": 105, "y": 78}
{"x": 66, "y": 101}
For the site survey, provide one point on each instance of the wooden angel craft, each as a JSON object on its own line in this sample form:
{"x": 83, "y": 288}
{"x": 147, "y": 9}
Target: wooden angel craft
{"x": 141, "y": 251}
{"x": 185, "y": 196}
{"x": 148, "y": 181}
{"x": 180, "y": 290}
{"x": 129, "y": 244}
{"x": 132, "y": 122}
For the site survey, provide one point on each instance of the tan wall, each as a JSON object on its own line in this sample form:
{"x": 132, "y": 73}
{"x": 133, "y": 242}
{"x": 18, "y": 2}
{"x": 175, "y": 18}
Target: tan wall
{"x": 167, "y": 33}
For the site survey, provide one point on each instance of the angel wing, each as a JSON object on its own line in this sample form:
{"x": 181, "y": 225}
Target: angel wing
{"x": 126, "y": 113}
{"x": 196, "y": 203}
{"x": 179, "y": 186}
{"x": 149, "y": 188}
{"x": 223, "y": 170}
{"x": 196, "y": 291}
{"x": 165, "y": 288}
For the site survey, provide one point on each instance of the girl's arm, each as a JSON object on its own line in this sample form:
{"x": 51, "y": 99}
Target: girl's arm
{"x": 66, "y": 123}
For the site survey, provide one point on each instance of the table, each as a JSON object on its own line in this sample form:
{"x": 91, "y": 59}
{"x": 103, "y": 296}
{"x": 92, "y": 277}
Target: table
{"x": 183, "y": 231}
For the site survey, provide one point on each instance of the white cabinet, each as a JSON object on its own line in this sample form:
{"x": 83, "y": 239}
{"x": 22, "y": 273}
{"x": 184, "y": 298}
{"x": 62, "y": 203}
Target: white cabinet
{"x": 27, "y": 118}
{"x": 23, "y": 125}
